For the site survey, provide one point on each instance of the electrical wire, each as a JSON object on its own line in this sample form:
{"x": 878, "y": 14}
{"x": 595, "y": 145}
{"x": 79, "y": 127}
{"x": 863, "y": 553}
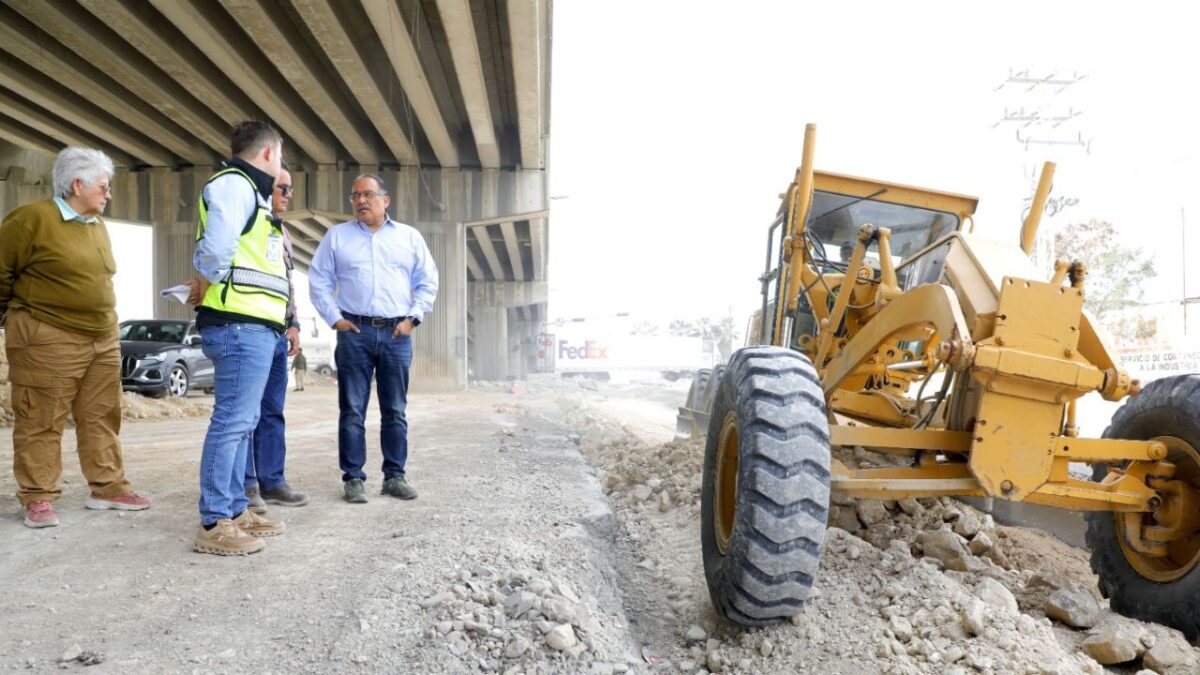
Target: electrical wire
{"x": 938, "y": 398}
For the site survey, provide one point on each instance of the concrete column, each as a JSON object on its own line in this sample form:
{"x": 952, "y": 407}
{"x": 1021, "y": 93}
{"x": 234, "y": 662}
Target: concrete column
{"x": 490, "y": 341}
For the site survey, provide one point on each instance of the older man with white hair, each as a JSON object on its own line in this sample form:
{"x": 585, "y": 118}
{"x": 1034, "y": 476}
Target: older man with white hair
{"x": 56, "y": 295}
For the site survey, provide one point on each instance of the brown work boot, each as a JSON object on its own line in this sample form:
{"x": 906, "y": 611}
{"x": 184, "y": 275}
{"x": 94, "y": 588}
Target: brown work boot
{"x": 226, "y": 539}
{"x": 257, "y": 526}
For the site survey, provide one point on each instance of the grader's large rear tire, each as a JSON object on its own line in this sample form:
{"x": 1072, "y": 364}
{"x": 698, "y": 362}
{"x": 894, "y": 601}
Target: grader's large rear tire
{"x": 765, "y": 498}
{"x": 1163, "y": 590}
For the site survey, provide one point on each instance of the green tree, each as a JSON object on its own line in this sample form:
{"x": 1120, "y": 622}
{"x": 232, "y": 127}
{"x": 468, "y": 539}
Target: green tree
{"x": 1116, "y": 274}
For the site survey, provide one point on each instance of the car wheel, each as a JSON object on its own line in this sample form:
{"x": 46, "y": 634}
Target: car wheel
{"x": 325, "y": 371}
{"x": 177, "y": 381}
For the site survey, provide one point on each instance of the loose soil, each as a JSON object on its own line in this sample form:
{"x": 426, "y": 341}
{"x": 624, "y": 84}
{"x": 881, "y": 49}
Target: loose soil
{"x": 556, "y": 532}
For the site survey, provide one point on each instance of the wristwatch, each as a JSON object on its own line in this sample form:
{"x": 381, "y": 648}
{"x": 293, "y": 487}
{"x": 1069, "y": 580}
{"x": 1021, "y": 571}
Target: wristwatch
{"x": 415, "y": 321}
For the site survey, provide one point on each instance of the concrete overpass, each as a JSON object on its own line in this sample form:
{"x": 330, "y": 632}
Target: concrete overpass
{"x": 447, "y": 99}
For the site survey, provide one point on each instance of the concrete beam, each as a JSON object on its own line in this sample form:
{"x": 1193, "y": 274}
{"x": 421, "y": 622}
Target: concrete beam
{"x": 179, "y": 61}
{"x": 72, "y": 27}
{"x": 489, "y": 252}
{"x": 24, "y": 137}
{"x": 303, "y": 248}
{"x": 323, "y": 23}
{"x": 325, "y": 222}
{"x": 308, "y": 230}
{"x": 303, "y": 260}
{"x": 224, "y": 51}
{"x": 508, "y": 293}
{"x": 510, "y": 218}
{"x": 513, "y": 245}
{"x": 525, "y": 39}
{"x": 473, "y": 265}
{"x": 300, "y": 71}
{"x": 17, "y": 78}
{"x": 23, "y": 40}
{"x": 394, "y": 35}
{"x": 464, "y": 50}
{"x": 20, "y": 111}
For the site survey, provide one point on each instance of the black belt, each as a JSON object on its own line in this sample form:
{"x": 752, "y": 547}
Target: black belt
{"x": 375, "y": 321}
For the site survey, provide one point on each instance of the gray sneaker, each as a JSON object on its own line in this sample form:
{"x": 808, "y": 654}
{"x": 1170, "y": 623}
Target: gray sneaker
{"x": 257, "y": 504}
{"x": 354, "y": 491}
{"x": 284, "y": 495}
{"x": 397, "y": 487}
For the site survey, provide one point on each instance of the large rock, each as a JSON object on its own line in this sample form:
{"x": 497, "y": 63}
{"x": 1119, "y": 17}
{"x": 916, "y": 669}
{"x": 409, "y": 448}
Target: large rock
{"x": 1111, "y": 646}
{"x": 1171, "y": 655}
{"x": 1074, "y": 606}
{"x": 901, "y": 628}
{"x": 518, "y": 603}
{"x": 996, "y": 595}
{"x": 981, "y": 544}
{"x": 973, "y": 620}
{"x": 871, "y": 511}
{"x": 968, "y": 524}
{"x": 845, "y": 518}
{"x": 561, "y": 637}
{"x": 947, "y": 547}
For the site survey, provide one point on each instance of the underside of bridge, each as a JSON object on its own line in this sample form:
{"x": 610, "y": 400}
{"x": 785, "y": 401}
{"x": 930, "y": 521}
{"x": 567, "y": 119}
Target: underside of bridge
{"x": 448, "y": 100}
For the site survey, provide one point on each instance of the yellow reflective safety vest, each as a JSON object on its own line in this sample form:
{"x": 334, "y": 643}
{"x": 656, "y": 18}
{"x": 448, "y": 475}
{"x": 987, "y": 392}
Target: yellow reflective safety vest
{"x": 257, "y": 283}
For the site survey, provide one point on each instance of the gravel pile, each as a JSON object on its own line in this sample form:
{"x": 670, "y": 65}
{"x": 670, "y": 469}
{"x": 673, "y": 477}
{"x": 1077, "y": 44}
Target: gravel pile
{"x": 909, "y": 586}
{"x": 518, "y": 621}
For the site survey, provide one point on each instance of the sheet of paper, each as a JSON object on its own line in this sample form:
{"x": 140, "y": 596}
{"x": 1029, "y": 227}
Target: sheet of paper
{"x": 179, "y": 292}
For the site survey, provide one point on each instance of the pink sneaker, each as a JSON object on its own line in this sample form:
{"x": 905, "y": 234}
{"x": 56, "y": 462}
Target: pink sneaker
{"x": 130, "y": 501}
{"x": 40, "y": 514}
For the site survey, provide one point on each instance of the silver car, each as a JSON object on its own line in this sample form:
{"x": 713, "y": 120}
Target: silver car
{"x": 161, "y": 357}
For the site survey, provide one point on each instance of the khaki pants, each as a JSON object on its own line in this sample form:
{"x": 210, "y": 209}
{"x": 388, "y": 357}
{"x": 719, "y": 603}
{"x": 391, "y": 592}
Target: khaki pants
{"x": 53, "y": 372}
{"x": 299, "y": 379}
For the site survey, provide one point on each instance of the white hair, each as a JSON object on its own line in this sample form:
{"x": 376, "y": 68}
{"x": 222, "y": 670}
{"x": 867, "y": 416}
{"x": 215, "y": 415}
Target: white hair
{"x": 86, "y": 164}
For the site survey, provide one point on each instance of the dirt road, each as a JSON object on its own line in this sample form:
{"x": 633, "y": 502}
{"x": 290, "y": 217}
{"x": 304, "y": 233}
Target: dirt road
{"x": 556, "y": 532}
{"x": 340, "y": 590}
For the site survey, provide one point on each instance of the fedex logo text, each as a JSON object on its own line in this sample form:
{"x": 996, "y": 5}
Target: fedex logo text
{"x": 589, "y": 350}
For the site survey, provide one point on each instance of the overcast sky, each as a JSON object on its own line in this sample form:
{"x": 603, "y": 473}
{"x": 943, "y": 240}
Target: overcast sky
{"x": 675, "y": 125}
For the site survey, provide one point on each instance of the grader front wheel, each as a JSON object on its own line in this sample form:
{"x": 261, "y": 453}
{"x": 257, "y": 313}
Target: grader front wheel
{"x": 1165, "y": 586}
{"x": 765, "y": 497}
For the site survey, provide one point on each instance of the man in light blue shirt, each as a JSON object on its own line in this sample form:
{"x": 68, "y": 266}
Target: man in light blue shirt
{"x": 373, "y": 280}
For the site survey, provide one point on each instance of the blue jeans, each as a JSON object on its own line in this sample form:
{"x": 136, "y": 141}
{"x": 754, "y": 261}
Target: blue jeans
{"x": 241, "y": 356}
{"x": 264, "y": 467}
{"x": 358, "y": 356}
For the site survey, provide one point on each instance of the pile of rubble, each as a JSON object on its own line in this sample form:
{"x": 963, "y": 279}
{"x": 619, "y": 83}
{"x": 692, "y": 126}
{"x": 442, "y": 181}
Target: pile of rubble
{"x": 518, "y": 621}
{"x": 908, "y": 586}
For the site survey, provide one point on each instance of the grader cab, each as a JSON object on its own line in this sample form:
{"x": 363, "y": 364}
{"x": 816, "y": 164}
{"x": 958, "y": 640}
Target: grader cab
{"x": 887, "y": 325}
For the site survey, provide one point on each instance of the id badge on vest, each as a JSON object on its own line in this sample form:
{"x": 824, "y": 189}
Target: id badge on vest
{"x": 274, "y": 247}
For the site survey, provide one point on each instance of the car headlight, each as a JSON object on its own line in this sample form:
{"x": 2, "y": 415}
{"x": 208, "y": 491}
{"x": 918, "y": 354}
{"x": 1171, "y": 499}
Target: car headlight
{"x": 151, "y": 359}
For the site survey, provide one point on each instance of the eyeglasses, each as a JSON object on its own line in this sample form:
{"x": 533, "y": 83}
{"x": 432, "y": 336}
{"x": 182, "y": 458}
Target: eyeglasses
{"x": 284, "y": 190}
{"x": 369, "y": 194}
{"x": 104, "y": 188}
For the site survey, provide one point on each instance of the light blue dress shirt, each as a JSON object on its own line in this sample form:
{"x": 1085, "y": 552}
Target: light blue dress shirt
{"x": 68, "y": 213}
{"x": 389, "y": 273}
{"x": 230, "y": 201}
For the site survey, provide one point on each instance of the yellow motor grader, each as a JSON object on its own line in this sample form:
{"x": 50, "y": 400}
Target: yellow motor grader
{"x": 887, "y": 325}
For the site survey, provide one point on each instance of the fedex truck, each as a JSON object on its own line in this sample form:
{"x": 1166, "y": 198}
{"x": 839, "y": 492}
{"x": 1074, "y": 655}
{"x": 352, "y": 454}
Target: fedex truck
{"x": 589, "y": 353}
